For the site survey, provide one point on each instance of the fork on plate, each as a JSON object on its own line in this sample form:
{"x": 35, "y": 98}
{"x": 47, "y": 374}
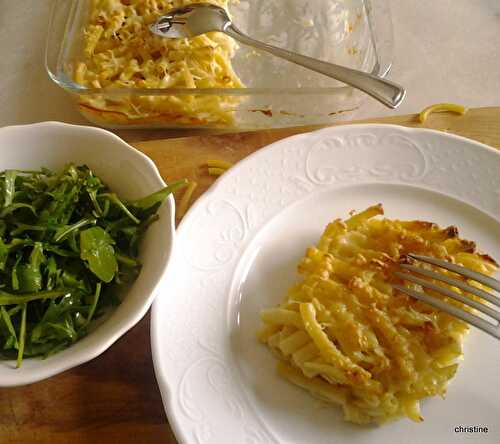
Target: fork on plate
{"x": 492, "y": 328}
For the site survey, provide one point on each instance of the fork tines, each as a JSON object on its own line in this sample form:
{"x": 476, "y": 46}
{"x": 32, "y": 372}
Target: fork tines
{"x": 493, "y": 328}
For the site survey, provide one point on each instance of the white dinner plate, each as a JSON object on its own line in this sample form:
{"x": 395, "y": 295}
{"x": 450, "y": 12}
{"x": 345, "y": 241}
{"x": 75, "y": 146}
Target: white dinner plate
{"x": 236, "y": 253}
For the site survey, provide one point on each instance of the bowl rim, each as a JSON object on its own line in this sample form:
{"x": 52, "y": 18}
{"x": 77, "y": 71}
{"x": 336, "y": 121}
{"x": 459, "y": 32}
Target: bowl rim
{"x": 102, "y": 344}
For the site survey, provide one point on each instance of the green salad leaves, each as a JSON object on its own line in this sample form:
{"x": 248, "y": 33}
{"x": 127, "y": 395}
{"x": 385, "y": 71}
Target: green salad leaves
{"x": 68, "y": 245}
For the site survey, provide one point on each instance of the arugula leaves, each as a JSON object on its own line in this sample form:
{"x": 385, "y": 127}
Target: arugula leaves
{"x": 68, "y": 245}
{"x": 96, "y": 247}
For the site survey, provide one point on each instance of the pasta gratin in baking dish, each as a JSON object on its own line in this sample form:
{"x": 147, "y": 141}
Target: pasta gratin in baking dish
{"x": 119, "y": 51}
{"x": 345, "y": 335}
{"x": 121, "y": 75}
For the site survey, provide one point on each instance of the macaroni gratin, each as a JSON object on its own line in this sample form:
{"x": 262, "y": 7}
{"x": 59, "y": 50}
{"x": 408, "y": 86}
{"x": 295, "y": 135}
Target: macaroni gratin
{"x": 345, "y": 335}
{"x": 119, "y": 51}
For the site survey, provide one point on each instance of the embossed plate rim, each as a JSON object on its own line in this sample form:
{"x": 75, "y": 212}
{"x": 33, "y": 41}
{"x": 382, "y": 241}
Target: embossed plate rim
{"x": 165, "y": 370}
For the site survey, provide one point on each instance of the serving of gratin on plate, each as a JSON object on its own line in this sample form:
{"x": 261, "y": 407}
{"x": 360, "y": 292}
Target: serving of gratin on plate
{"x": 347, "y": 336}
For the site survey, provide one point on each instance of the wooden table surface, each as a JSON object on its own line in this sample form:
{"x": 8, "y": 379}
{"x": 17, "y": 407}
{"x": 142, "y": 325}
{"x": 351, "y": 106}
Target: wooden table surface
{"x": 114, "y": 398}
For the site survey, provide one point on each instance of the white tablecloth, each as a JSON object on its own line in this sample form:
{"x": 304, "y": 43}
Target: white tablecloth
{"x": 445, "y": 50}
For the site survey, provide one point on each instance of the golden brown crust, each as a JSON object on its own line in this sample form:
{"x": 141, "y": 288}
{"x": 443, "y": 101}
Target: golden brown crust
{"x": 370, "y": 341}
{"x": 487, "y": 258}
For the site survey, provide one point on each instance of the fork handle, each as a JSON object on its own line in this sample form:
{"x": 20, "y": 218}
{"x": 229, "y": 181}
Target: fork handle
{"x": 388, "y": 93}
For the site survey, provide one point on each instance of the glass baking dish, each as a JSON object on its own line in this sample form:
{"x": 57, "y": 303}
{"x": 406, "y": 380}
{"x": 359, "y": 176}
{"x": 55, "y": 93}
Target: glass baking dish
{"x": 353, "y": 33}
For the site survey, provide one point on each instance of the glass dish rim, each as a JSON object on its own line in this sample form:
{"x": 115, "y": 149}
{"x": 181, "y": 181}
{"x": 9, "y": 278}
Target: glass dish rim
{"x": 378, "y": 70}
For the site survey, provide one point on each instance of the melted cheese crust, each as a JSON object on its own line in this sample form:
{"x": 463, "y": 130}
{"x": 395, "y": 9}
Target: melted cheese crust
{"x": 119, "y": 51}
{"x": 348, "y": 337}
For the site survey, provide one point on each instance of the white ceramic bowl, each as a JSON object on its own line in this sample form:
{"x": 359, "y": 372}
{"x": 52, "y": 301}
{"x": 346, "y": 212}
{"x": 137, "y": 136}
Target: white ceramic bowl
{"x": 131, "y": 175}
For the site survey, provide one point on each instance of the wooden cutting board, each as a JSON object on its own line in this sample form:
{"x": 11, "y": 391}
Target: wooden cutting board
{"x": 114, "y": 398}
{"x": 187, "y": 157}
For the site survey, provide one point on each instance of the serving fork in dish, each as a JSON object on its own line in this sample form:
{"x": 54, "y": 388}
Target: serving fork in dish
{"x": 200, "y": 18}
{"x": 491, "y": 327}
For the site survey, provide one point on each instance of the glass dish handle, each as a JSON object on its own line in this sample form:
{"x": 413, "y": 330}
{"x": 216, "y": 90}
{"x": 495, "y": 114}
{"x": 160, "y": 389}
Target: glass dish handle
{"x": 380, "y": 23}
